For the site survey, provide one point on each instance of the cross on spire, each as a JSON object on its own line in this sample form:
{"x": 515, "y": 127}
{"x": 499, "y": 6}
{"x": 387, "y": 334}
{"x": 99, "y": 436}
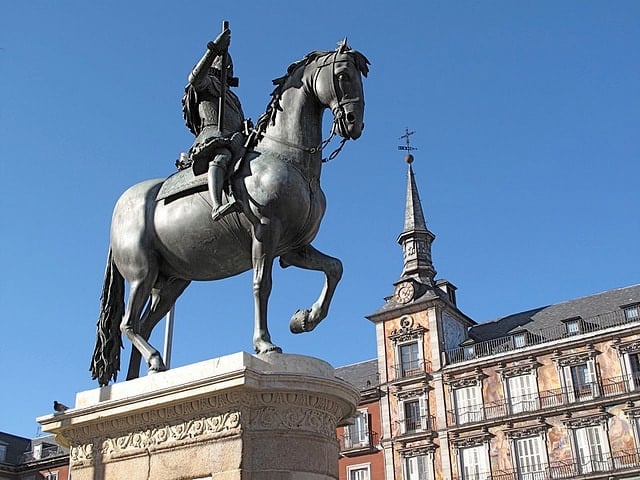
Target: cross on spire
{"x": 407, "y": 146}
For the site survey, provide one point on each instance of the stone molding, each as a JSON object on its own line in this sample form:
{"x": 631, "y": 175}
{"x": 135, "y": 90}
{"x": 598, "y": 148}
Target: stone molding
{"x": 407, "y": 331}
{"x": 158, "y": 429}
{"x": 576, "y": 358}
{"x": 472, "y": 440}
{"x": 627, "y": 347}
{"x": 215, "y": 412}
{"x": 600, "y": 418}
{"x": 466, "y": 381}
{"x": 527, "y": 431}
{"x": 518, "y": 370}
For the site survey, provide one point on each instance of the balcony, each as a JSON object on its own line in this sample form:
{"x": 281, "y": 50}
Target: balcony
{"x": 547, "y": 399}
{"x": 47, "y": 451}
{"x": 588, "y": 468}
{"x": 411, "y": 370}
{"x": 512, "y": 343}
{"x": 417, "y": 426}
{"x": 357, "y": 443}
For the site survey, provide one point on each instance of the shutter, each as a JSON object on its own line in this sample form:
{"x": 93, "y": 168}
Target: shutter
{"x": 569, "y": 387}
{"x": 592, "y": 377}
{"x": 583, "y": 450}
{"x": 424, "y": 413}
{"x": 363, "y": 434}
{"x": 515, "y": 394}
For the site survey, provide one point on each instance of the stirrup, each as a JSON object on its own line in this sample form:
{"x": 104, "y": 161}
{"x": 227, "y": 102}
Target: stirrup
{"x": 225, "y": 209}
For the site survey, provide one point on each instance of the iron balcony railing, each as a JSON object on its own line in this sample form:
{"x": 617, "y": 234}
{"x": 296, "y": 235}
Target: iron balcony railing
{"x": 423, "y": 423}
{"x": 546, "y": 399}
{"x": 358, "y": 441}
{"x": 514, "y": 342}
{"x": 588, "y": 467}
{"x": 411, "y": 369}
{"x": 49, "y": 451}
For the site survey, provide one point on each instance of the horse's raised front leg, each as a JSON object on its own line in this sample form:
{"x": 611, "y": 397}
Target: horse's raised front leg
{"x": 311, "y": 259}
{"x": 265, "y": 238}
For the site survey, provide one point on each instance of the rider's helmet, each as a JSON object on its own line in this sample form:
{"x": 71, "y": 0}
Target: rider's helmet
{"x": 217, "y": 66}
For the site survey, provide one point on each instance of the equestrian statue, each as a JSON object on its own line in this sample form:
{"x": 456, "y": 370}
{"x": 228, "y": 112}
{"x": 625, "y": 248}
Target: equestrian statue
{"x": 243, "y": 195}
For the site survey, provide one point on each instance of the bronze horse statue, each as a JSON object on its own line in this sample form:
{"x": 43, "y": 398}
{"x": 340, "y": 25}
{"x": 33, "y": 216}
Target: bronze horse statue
{"x": 159, "y": 247}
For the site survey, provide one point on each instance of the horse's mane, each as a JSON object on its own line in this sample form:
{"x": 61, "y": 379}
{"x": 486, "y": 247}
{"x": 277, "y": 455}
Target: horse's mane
{"x": 269, "y": 116}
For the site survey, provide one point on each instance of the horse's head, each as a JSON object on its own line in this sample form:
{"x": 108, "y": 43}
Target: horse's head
{"x": 337, "y": 83}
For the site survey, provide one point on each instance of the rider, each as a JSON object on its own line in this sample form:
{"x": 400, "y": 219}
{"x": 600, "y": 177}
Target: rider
{"x": 218, "y": 148}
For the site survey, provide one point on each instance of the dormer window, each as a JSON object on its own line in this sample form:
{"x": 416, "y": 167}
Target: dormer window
{"x": 632, "y": 312}
{"x": 573, "y": 325}
{"x": 520, "y": 339}
{"x": 469, "y": 351}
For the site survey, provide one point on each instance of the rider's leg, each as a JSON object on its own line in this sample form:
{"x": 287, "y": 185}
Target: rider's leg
{"x": 216, "y": 177}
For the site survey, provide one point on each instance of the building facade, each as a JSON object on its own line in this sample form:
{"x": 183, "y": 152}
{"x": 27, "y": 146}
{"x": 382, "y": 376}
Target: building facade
{"x": 360, "y": 455}
{"x": 38, "y": 459}
{"x": 548, "y": 393}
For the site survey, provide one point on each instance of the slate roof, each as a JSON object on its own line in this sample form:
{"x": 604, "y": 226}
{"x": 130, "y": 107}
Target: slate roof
{"x": 551, "y": 316}
{"x": 363, "y": 375}
{"x": 16, "y": 447}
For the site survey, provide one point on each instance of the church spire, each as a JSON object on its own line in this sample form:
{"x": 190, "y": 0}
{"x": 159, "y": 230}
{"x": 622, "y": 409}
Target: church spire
{"x": 416, "y": 239}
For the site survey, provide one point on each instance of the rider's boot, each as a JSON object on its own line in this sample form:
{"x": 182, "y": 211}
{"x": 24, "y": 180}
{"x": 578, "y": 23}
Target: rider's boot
{"x": 216, "y": 176}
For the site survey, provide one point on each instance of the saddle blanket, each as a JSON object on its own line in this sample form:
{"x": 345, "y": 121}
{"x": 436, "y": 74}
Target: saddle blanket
{"x": 181, "y": 183}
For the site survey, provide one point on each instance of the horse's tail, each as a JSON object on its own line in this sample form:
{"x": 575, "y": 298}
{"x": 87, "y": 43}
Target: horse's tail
{"x": 105, "y": 362}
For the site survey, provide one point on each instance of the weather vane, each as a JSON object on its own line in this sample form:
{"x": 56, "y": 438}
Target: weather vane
{"x": 407, "y": 146}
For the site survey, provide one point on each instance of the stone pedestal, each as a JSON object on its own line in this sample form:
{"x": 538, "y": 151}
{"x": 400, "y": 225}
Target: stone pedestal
{"x": 267, "y": 417}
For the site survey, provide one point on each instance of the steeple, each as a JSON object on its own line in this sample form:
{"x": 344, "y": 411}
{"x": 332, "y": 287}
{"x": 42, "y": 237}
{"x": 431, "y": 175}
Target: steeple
{"x": 415, "y": 239}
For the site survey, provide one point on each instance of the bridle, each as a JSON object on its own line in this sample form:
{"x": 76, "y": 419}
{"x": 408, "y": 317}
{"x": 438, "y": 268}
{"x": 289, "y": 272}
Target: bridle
{"x": 338, "y": 110}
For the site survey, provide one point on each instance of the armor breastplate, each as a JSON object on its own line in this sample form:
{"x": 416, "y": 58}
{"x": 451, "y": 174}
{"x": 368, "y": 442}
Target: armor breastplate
{"x": 208, "y": 113}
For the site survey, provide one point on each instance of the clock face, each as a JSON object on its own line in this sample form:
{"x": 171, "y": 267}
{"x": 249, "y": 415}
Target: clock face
{"x": 404, "y": 292}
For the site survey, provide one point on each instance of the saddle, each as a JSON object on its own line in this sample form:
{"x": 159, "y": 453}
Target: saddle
{"x": 182, "y": 183}
{"x": 192, "y": 178}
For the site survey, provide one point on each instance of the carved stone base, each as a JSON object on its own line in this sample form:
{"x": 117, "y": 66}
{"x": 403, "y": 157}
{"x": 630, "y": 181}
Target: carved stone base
{"x": 267, "y": 417}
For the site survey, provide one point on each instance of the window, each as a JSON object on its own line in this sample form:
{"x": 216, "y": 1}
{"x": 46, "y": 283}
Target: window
{"x": 632, "y": 312}
{"x": 520, "y": 340}
{"x": 3, "y": 453}
{"x": 475, "y": 463}
{"x": 523, "y": 393}
{"x": 592, "y": 449}
{"x": 418, "y": 467}
{"x": 359, "y": 472}
{"x": 468, "y": 404}
{"x": 530, "y": 457}
{"x": 413, "y": 415}
{"x": 51, "y": 476}
{"x": 410, "y": 363}
{"x": 357, "y": 435}
{"x": 573, "y": 327}
{"x": 469, "y": 352}
{"x": 632, "y": 363}
{"x": 580, "y": 381}
{"x": 37, "y": 451}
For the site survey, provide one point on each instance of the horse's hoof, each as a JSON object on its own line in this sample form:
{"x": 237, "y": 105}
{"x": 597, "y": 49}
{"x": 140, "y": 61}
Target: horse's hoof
{"x": 300, "y": 322}
{"x": 267, "y": 347}
{"x": 156, "y": 365}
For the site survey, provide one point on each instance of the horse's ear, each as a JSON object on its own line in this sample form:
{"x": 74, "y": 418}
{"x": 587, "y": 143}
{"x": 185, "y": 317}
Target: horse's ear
{"x": 343, "y": 46}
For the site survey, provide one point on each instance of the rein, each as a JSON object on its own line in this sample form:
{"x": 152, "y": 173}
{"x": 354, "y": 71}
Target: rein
{"x": 311, "y": 150}
{"x": 339, "y": 113}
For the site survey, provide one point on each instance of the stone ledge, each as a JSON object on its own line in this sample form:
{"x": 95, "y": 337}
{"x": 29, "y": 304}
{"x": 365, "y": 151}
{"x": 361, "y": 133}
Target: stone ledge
{"x": 250, "y": 409}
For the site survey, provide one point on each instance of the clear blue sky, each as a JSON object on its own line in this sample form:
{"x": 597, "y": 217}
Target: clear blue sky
{"x": 528, "y": 127}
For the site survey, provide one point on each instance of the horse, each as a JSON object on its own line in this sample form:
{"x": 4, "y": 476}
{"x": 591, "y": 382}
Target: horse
{"x": 160, "y": 246}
